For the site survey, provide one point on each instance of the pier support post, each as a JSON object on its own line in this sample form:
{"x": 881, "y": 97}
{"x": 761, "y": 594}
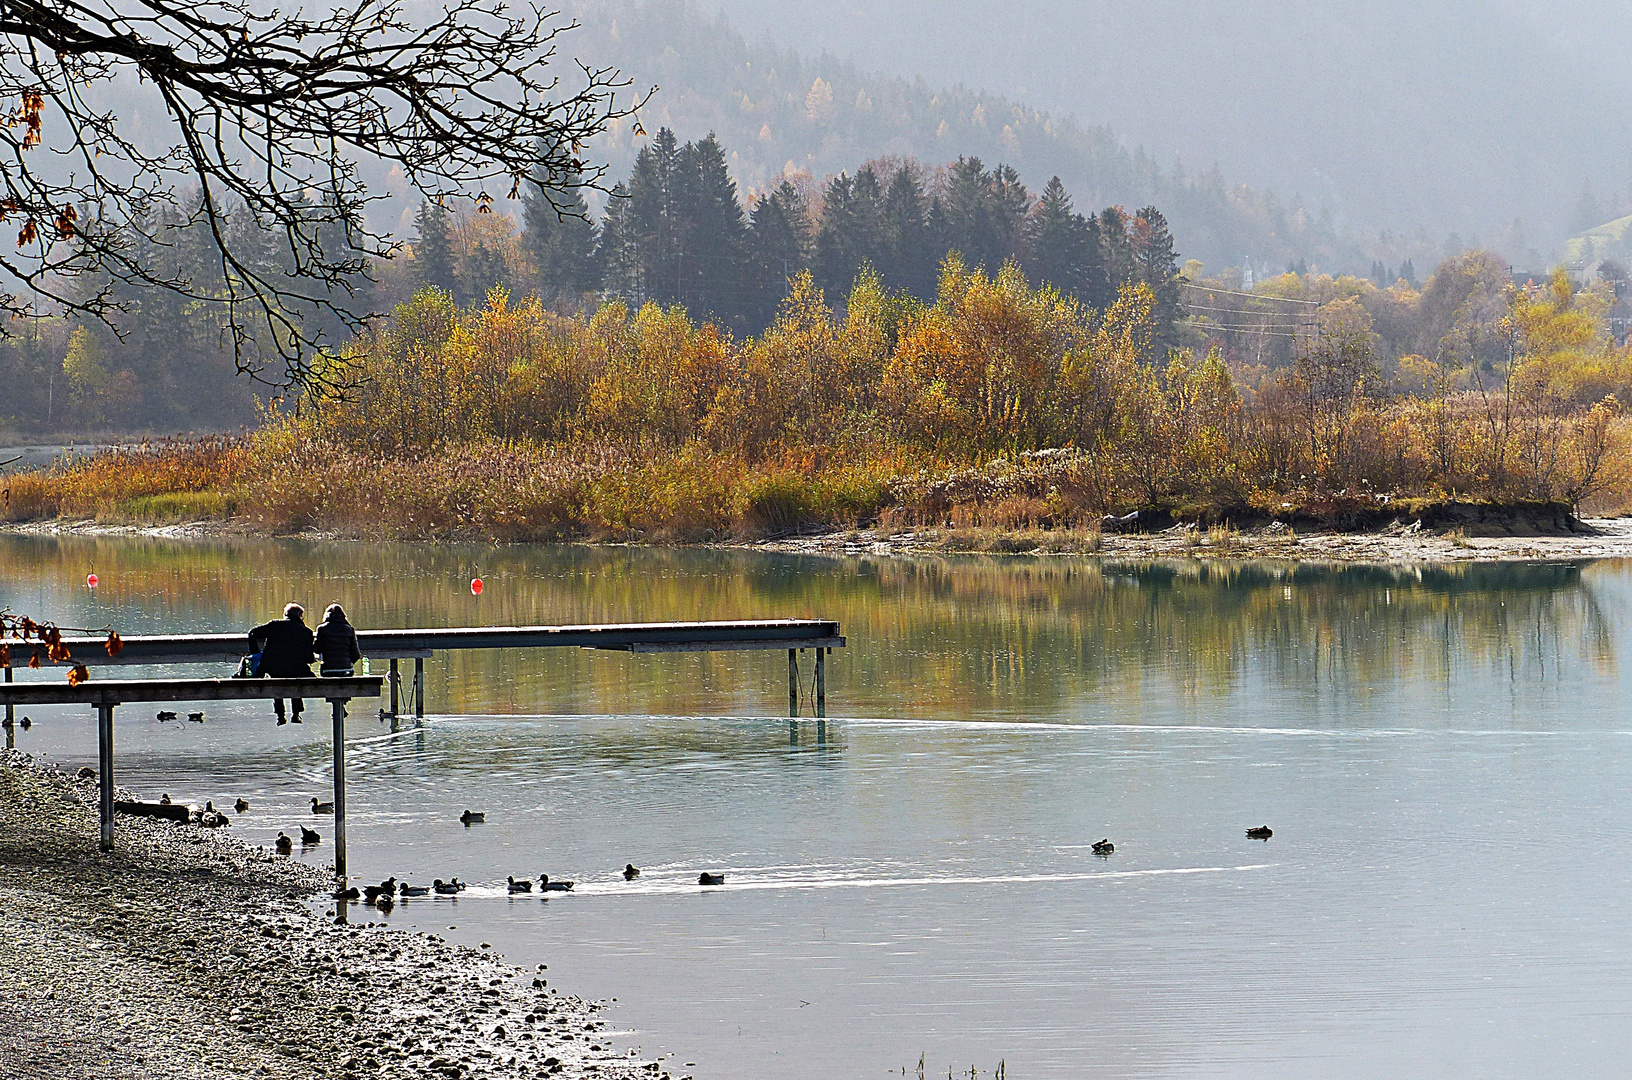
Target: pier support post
{"x": 104, "y": 773}
{"x": 396, "y": 679}
{"x": 340, "y": 788}
{"x": 793, "y": 682}
{"x": 821, "y": 681}
{"x": 11, "y": 716}
{"x": 419, "y": 688}
{"x": 11, "y": 710}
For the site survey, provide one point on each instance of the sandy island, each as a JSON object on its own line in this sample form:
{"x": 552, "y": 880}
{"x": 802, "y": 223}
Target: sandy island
{"x": 189, "y": 954}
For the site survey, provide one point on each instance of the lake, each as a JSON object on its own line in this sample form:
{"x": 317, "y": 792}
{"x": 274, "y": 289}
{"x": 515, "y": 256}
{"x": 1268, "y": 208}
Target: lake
{"x": 1443, "y": 754}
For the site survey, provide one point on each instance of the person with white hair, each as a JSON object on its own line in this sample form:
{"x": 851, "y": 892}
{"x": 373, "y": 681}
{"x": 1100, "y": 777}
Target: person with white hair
{"x": 286, "y": 647}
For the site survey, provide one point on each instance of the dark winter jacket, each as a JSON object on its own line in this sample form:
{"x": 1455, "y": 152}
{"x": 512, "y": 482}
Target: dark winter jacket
{"x": 285, "y": 646}
{"x": 337, "y": 646}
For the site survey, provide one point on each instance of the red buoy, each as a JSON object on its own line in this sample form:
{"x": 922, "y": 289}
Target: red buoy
{"x": 475, "y": 586}
{"x": 91, "y": 579}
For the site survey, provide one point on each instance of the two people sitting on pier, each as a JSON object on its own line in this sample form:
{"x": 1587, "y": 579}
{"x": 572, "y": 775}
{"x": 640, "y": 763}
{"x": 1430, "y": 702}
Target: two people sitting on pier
{"x": 287, "y": 645}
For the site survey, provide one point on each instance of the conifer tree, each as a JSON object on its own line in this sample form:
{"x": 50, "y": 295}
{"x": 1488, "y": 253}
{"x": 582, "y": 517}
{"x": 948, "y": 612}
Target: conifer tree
{"x": 1156, "y": 264}
{"x": 1097, "y": 289}
{"x": 710, "y": 233}
{"x": 1057, "y": 242}
{"x": 779, "y": 247}
{"x": 1116, "y": 250}
{"x": 433, "y": 249}
{"x": 906, "y": 259}
{"x": 653, "y": 222}
{"x": 618, "y": 251}
{"x": 559, "y": 237}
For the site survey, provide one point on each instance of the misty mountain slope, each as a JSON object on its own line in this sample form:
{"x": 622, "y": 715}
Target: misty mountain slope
{"x": 776, "y": 109}
{"x": 1396, "y": 114}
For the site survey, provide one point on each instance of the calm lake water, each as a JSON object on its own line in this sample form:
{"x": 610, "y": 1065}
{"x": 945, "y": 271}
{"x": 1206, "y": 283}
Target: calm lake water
{"x": 1444, "y": 755}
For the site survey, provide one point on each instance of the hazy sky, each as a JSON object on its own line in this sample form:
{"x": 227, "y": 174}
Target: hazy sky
{"x": 1453, "y": 117}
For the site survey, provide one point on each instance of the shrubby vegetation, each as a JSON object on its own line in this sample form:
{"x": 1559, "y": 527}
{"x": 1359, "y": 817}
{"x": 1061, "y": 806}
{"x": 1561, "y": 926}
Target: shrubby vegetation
{"x": 997, "y": 403}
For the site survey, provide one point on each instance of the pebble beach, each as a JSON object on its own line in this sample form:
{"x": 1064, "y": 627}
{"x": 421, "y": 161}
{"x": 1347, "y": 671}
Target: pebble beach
{"x": 186, "y": 953}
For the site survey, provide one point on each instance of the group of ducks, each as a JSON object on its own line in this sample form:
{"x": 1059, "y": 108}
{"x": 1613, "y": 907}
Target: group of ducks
{"x": 209, "y": 817}
{"x": 283, "y": 845}
{"x": 384, "y": 895}
{"x": 166, "y": 716}
{"x": 1105, "y": 849}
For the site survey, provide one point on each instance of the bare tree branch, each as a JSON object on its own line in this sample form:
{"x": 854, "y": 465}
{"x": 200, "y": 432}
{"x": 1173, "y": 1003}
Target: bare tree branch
{"x": 269, "y": 115}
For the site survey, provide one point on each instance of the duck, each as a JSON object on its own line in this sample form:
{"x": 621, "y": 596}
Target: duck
{"x": 86, "y": 773}
{"x": 520, "y": 886}
{"x": 1262, "y": 832}
{"x": 705, "y": 878}
{"x": 26, "y": 723}
{"x": 447, "y": 888}
{"x": 630, "y": 873}
{"x": 165, "y": 716}
{"x": 321, "y": 807}
{"x": 309, "y": 836}
{"x": 241, "y": 805}
{"x": 346, "y": 894}
{"x": 1104, "y": 847}
{"x": 385, "y": 904}
{"x": 164, "y": 800}
{"x": 283, "y": 844}
{"x": 406, "y": 889}
{"x": 472, "y": 818}
{"x": 196, "y": 717}
{"x": 546, "y": 885}
{"x": 373, "y": 893}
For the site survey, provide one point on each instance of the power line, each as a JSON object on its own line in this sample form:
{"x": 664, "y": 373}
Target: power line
{"x": 1253, "y": 296}
{"x": 1239, "y": 311}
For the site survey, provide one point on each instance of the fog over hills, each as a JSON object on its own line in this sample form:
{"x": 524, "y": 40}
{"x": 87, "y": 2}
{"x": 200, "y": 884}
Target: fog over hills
{"x": 1444, "y": 117}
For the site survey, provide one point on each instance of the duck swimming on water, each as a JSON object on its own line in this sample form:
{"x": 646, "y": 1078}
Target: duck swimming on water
{"x": 321, "y": 807}
{"x": 1262, "y": 832}
{"x": 347, "y": 894}
{"x": 283, "y": 844}
{"x": 546, "y": 885}
{"x": 448, "y": 888}
{"x": 241, "y": 805}
{"x": 705, "y": 878}
{"x": 310, "y": 836}
{"x": 630, "y": 873}
{"x": 472, "y": 818}
{"x": 1104, "y": 847}
{"x": 406, "y": 889}
{"x": 374, "y": 893}
{"x": 520, "y": 886}
{"x": 166, "y": 716}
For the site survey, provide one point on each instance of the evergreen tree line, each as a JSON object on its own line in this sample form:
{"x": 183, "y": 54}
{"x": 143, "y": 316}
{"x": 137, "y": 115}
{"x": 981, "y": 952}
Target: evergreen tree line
{"x": 676, "y": 232}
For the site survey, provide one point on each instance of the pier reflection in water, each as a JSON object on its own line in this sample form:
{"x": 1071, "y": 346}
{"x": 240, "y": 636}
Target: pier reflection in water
{"x": 1443, "y": 754}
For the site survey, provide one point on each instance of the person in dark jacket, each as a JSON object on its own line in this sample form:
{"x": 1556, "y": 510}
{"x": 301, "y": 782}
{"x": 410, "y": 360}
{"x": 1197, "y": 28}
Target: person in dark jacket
{"x": 286, "y": 646}
{"x": 337, "y": 650}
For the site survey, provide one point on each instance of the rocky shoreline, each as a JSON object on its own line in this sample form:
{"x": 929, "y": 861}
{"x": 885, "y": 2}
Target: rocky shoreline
{"x": 189, "y": 954}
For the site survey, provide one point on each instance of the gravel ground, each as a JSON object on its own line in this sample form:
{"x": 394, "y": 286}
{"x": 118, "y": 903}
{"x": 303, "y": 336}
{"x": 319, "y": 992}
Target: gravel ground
{"x": 187, "y": 953}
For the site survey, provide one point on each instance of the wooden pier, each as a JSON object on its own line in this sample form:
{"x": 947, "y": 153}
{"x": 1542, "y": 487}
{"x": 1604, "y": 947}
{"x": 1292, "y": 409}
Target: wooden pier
{"x": 108, "y": 695}
{"x": 794, "y": 635}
